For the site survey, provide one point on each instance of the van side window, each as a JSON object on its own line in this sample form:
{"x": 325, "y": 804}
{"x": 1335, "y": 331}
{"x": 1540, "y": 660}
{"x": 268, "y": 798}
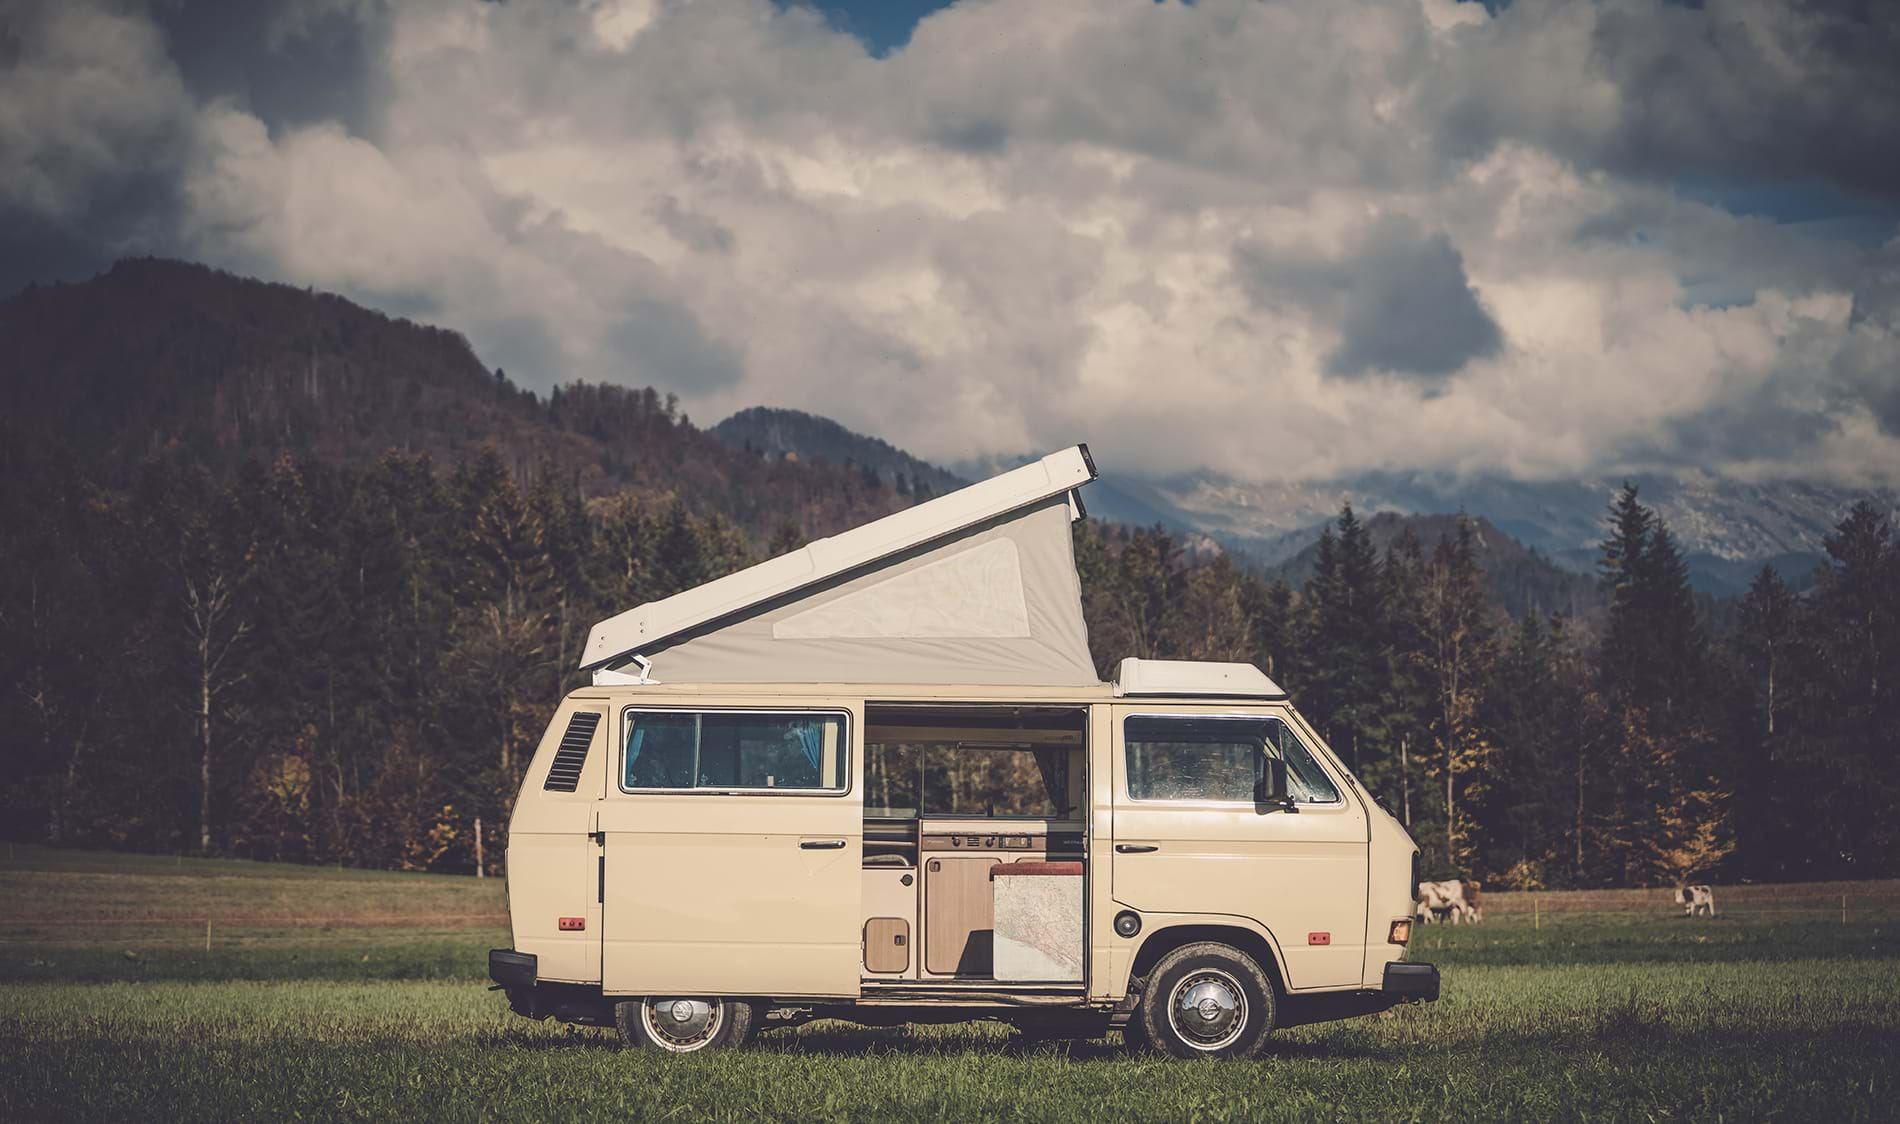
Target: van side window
{"x": 903, "y": 780}
{"x": 687, "y": 750}
{"x": 1192, "y": 758}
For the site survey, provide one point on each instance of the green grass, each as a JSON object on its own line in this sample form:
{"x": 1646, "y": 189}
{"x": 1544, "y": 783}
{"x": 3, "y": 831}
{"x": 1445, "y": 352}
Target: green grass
{"x": 1603, "y": 1017}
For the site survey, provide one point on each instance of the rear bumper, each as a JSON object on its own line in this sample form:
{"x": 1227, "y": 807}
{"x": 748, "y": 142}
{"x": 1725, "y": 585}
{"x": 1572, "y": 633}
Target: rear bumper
{"x": 512, "y": 969}
{"x": 1411, "y": 983}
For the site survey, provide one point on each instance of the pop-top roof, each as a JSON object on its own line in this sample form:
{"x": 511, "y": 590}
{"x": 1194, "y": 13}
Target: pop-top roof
{"x": 1159, "y": 678}
{"x": 977, "y": 586}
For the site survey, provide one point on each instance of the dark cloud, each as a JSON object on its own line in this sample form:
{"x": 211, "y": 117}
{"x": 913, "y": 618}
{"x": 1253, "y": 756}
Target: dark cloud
{"x": 134, "y": 212}
{"x": 1410, "y": 308}
{"x": 1758, "y": 89}
{"x": 95, "y": 132}
{"x": 1401, "y": 301}
{"x": 37, "y": 253}
{"x": 290, "y": 62}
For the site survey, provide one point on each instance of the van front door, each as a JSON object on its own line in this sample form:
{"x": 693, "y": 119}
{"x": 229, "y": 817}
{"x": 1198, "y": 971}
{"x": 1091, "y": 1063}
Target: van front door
{"x": 1189, "y": 837}
{"x": 732, "y": 847}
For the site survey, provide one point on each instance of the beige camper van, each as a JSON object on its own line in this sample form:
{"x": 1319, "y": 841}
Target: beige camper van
{"x": 878, "y": 779}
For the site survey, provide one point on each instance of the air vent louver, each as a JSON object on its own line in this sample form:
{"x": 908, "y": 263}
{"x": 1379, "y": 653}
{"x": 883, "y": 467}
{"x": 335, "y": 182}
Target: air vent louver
{"x": 565, "y": 774}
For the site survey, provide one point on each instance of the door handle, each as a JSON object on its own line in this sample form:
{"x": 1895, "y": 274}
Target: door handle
{"x": 1135, "y": 848}
{"x": 821, "y": 844}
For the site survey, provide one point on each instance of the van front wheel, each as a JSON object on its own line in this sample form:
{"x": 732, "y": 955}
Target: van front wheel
{"x": 683, "y": 1024}
{"x": 1207, "y": 1000}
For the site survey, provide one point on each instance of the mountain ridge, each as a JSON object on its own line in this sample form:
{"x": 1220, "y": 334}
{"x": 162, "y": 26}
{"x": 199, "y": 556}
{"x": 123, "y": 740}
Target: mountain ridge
{"x": 777, "y": 432}
{"x": 155, "y": 355}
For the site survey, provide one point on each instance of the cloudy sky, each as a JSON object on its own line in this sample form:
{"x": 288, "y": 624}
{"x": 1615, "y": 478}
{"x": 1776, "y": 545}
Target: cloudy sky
{"x": 1298, "y": 238}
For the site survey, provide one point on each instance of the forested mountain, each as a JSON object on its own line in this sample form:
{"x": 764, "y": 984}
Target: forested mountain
{"x": 156, "y": 356}
{"x": 780, "y": 433}
{"x": 284, "y": 577}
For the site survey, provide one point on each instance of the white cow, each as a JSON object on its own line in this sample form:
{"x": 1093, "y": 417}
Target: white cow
{"x": 1445, "y": 901}
{"x": 1696, "y": 899}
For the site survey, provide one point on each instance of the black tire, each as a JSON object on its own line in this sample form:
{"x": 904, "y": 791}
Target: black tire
{"x": 661, "y": 1023}
{"x": 1207, "y": 1000}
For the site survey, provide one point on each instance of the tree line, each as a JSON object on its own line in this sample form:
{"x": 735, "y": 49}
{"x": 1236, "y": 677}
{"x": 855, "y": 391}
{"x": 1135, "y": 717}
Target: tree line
{"x": 1648, "y": 748}
{"x": 353, "y": 664}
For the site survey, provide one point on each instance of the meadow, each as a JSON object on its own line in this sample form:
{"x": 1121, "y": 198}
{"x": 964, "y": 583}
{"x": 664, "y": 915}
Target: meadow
{"x": 360, "y": 995}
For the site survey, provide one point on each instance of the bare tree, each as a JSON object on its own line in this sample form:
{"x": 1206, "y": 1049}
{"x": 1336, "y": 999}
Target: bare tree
{"x": 214, "y": 631}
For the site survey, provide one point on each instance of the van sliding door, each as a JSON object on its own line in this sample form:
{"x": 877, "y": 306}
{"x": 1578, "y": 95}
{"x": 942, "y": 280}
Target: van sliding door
{"x": 733, "y": 846}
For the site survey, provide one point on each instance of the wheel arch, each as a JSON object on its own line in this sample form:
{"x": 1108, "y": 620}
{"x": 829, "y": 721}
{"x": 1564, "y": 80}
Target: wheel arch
{"x": 1255, "y": 942}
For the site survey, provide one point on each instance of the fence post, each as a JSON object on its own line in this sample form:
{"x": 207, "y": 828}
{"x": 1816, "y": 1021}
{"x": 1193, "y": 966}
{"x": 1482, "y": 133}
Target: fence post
{"x": 1537, "y": 916}
{"x": 1843, "y": 909}
{"x": 207, "y": 934}
{"x": 478, "y": 846}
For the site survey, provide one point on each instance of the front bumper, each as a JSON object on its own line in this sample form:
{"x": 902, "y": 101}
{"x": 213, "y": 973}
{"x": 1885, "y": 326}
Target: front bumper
{"x": 512, "y": 969}
{"x": 1410, "y": 982}
{"x": 518, "y": 974}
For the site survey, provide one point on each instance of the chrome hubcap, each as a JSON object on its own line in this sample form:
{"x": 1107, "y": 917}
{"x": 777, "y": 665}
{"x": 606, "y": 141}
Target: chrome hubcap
{"x": 682, "y": 1024}
{"x": 1208, "y": 1009}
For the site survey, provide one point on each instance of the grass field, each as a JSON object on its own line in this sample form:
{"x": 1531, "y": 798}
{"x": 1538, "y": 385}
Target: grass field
{"x": 345, "y": 994}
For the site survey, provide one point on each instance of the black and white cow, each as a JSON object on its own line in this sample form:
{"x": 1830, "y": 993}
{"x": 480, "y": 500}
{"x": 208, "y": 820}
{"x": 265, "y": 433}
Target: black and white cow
{"x": 1696, "y": 899}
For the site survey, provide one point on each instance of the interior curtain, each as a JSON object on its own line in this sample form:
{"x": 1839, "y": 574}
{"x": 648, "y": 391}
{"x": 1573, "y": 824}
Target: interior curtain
{"x": 1049, "y": 764}
{"x": 811, "y": 739}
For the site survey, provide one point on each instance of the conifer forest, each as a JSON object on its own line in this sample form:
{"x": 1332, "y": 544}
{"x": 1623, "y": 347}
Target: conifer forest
{"x": 352, "y": 665}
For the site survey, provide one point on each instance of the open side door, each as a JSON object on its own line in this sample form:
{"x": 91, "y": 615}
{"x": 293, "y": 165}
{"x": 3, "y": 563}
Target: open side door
{"x": 731, "y": 864}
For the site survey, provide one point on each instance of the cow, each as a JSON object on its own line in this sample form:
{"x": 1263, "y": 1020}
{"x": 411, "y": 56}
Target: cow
{"x": 1454, "y": 900}
{"x": 1443, "y": 901}
{"x": 1696, "y": 899}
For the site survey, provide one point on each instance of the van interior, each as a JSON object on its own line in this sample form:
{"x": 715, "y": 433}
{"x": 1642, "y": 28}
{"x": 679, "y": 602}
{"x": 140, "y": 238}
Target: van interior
{"x": 952, "y": 792}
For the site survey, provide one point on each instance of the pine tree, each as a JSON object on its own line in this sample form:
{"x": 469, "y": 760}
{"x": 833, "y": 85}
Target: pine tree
{"x": 1211, "y": 622}
{"x": 1147, "y": 585}
{"x": 1624, "y": 661}
{"x": 1344, "y": 619}
{"x": 679, "y": 554}
{"x": 1856, "y": 623}
{"x": 1674, "y": 644}
{"x": 1458, "y": 650}
{"x": 1268, "y": 607}
{"x": 1768, "y": 632}
{"x": 1404, "y": 705}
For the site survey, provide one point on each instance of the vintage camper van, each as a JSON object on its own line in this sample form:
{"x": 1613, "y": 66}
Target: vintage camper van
{"x": 879, "y": 779}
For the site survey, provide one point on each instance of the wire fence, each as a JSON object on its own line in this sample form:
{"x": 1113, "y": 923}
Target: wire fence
{"x": 1840, "y": 902}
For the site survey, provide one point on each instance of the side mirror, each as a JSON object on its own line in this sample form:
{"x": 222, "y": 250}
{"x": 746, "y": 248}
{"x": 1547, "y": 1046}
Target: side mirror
{"x": 1270, "y": 786}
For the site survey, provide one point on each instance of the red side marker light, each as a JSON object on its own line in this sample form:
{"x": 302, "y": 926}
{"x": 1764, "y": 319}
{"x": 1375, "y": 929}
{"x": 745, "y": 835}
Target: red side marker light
{"x": 1319, "y": 938}
{"x": 573, "y": 924}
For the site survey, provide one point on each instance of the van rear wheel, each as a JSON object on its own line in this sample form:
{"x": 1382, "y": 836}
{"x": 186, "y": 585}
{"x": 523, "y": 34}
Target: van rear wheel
{"x": 683, "y": 1024}
{"x": 1207, "y": 1000}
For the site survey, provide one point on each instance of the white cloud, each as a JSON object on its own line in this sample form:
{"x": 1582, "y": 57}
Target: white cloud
{"x": 1033, "y": 224}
